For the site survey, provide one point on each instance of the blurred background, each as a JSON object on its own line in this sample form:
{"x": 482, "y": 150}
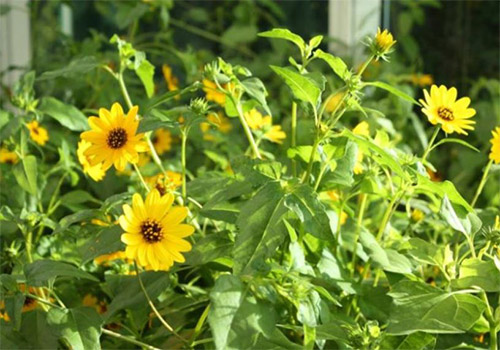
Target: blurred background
{"x": 455, "y": 43}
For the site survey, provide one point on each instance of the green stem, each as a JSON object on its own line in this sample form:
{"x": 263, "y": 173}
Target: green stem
{"x": 386, "y": 218}
{"x": 199, "y": 325}
{"x": 365, "y": 65}
{"x": 246, "y": 128}
{"x": 128, "y": 339}
{"x": 29, "y": 239}
{"x": 491, "y": 320}
{"x": 311, "y": 159}
{"x": 431, "y": 142}
{"x": 294, "y": 135}
{"x": 153, "y": 307}
{"x": 359, "y": 222}
{"x": 140, "y": 177}
{"x": 482, "y": 183}
{"x": 123, "y": 87}
{"x": 183, "y": 164}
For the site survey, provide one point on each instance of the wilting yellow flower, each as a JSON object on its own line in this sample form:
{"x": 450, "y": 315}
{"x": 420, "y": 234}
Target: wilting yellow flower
{"x": 7, "y": 156}
{"x": 106, "y": 258}
{"x": 96, "y": 172}
{"x": 434, "y": 175}
{"x": 417, "y": 215}
{"x": 153, "y": 231}
{"x": 164, "y": 184}
{"x": 113, "y": 137}
{"x": 170, "y": 79}
{"x": 383, "y": 41}
{"x": 362, "y": 129}
{"x": 213, "y": 94}
{"x": 92, "y": 301}
{"x": 222, "y": 122}
{"x": 38, "y": 133}
{"x": 495, "y": 145}
{"x": 442, "y": 107}
{"x": 162, "y": 141}
{"x": 256, "y": 121}
{"x": 422, "y": 79}
{"x": 333, "y": 101}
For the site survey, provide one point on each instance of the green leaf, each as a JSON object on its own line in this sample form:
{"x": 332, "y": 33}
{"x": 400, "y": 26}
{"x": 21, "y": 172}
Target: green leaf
{"x": 279, "y": 33}
{"x": 441, "y": 189}
{"x": 26, "y": 173}
{"x": 37, "y": 332}
{"x": 477, "y": 273}
{"x": 421, "y": 307}
{"x": 237, "y": 321}
{"x": 42, "y": 271}
{"x": 78, "y": 66}
{"x": 239, "y": 33}
{"x": 453, "y": 140}
{"x": 426, "y": 253}
{"x": 80, "y": 327}
{"x": 169, "y": 96}
{"x": 13, "y": 307}
{"x": 393, "y": 91}
{"x": 261, "y": 229}
{"x": 414, "y": 341}
{"x": 80, "y": 216}
{"x": 209, "y": 248}
{"x": 67, "y": 115}
{"x": 303, "y": 88}
{"x": 145, "y": 71}
{"x": 467, "y": 224}
{"x": 256, "y": 89}
{"x": 106, "y": 242}
{"x": 304, "y": 202}
{"x": 336, "y": 64}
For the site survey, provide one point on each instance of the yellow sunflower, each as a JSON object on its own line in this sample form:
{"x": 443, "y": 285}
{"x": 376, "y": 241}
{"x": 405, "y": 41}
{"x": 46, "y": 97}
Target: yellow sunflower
{"x": 383, "y": 41}
{"x": 170, "y": 79}
{"x": 38, "y": 133}
{"x": 213, "y": 93}
{"x": 442, "y": 107}
{"x": 113, "y": 138}
{"x": 153, "y": 231}
{"x": 421, "y": 79}
{"x": 7, "y": 156}
{"x": 92, "y": 301}
{"x": 333, "y": 101}
{"x": 362, "y": 129}
{"x": 96, "y": 172}
{"x": 162, "y": 141}
{"x": 166, "y": 184}
{"x": 256, "y": 121}
{"x": 495, "y": 145}
{"x": 222, "y": 122}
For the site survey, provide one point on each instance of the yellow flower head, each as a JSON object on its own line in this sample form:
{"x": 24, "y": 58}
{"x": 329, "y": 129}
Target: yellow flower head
{"x": 29, "y": 303}
{"x": 362, "y": 129}
{"x": 96, "y": 172}
{"x": 38, "y": 133}
{"x": 256, "y": 121}
{"x": 220, "y": 120}
{"x": 332, "y": 104}
{"x": 171, "y": 80}
{"x": 422, "y": 79}
{"x": 213, "y": 93}
{"x": 154, "y": 232}
{"x": 113, "y": 138}
{"x": 166, "y": 184}
{"x": 92, "y": 301}
{"x": 162, "y": 141}
{"x": 442, "y": 107}
{"x": 417, "y": 215}
{"x": 334, "y": 195}
{"x": 106, "y": 258}
{"x": 383, "y": 41}
{"x": 495, "y": 145}
{"x": 7, "y": 156}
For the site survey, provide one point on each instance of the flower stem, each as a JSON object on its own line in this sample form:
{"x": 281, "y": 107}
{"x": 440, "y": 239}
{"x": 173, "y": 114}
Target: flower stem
{"x": 183, "y": 164}
{"x": 491, "y": 320}
{"x": 140, "y": 177}
{"x": 365, "y": 65}
{"x": 294, "y": 135}
{"x": 386, "y": 218}
{"x": 311, "y": 159}
{"x": 431, "y": 142}
{"x": 153, "y": 307}
{"x": 128, "y": 339}
{"x": 248, "y": 132}
{"x": 482, "y": 183}
{"x": 359, "y": 222}
{"x": 123, "y": 87}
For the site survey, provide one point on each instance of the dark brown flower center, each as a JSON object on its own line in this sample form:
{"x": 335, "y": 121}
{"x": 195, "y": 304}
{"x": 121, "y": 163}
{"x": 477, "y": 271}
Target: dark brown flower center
{"x": 29, "y": 301}
{"x": 161, "y": 189}
{"x": 445, "y": 113}
{"x": 117, "y": 138}
{"x": 151, "y": 231}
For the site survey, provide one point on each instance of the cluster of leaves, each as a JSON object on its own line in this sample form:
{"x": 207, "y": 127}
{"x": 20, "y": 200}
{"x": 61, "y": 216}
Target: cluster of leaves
{"x": 275, "y": 264}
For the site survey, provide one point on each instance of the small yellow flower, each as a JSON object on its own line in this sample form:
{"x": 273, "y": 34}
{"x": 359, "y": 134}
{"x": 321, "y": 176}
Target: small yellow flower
{"x": 29, "y": 303}
{"x": 334, "y": 195}
{"x": 106, "y": 258}
{"x": 383, "y": 41}
{"x": 113, "y": 138}
{"x": 495, "y": 145}
{"x": 256, "y": 121}
{"x": 442, "y": 107}
{"x": 333, "y": 101}
{"x": 38, "y": 133}
{"x": 162, "y": 141}
{"x": 417, "y": 215}
{"x": 96, "y": 172}
{"x": 90, "y": 300}
{"x": 170, "y": 79}
{"x": 362, "y": 129}
{"x": 167, "y": 184}
{"x": 222, "y": 122}
{"x": 154, "y": 232}
{"x": 421, "y": 79}
{"x": 343, "y": 217}
{"x": 7, "y": 156}
{"x": 213, "y": 93}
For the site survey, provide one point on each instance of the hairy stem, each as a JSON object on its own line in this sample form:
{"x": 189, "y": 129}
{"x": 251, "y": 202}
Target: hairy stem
{"x": 431, "y": 142}
{"x": 294, "y": 135}
{"x": 482, "y": 183}
{"x": 362, "y": 206}
{"x": 183, "y": 163}
{"x": 128, "y": 339}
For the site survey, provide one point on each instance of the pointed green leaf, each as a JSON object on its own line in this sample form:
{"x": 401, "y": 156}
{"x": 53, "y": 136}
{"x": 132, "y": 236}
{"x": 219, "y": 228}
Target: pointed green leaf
{"x": 303, "y": 88}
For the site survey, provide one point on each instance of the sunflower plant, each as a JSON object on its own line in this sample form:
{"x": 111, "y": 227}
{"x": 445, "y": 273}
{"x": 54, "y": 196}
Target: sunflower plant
{"x": 233, "y": 211}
